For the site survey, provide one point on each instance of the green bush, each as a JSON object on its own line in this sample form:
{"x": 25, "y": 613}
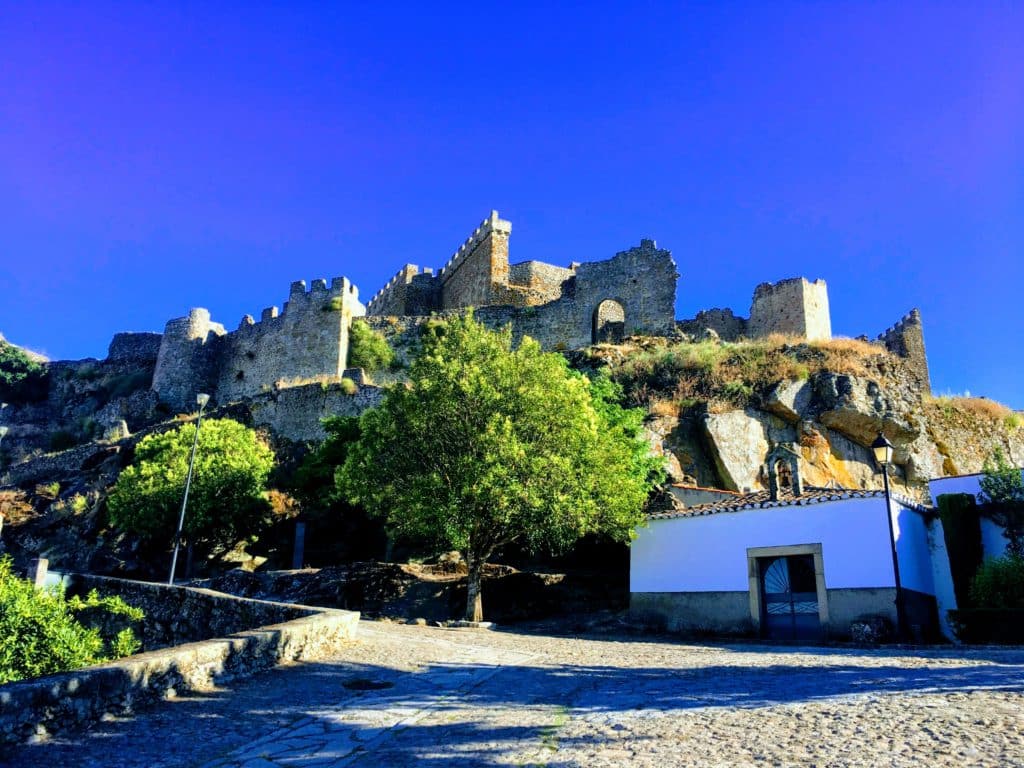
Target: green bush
{"x": 41, "y": 635}
{"x": 999, "y": 584}
{"x": 22, "y": 379}
{"x": 367, "y": 349}
{"x": 226, "y": 501}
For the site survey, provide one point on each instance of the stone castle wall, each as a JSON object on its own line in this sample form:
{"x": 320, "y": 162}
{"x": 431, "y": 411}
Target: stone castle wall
{"x": 393, "y": 298}
{"x": 632, "y": 293}
{"x": 472, "y": 274}
{"x": 906, "y": 339}
{"x": 139, "y": 348}
{"x": 308, "y": 340}
{"x": 728, "y": 326}
{"x": 795, "y": 307}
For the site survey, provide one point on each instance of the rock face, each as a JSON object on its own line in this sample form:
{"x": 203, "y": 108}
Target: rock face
{"x": 789, "y": 399}
{"x": 859, "y": 409}
{"x": 831, "y": 420}
{"x": 739, "y": 442}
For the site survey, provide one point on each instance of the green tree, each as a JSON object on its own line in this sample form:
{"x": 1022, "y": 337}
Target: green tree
{"x": 21, "y": 377}
{"x": 367, "y": 349}
{"x": 489, "y": 445}
{"x": 41, "y": 634}
{"x": 1002, "y": 497}
{"x": 226, "y": 502}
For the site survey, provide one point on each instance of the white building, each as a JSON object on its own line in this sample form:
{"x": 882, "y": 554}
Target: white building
{"x": 803, "y": 566}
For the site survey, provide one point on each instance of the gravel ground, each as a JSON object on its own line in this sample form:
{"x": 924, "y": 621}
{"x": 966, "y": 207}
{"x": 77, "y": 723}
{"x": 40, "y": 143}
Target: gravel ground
{"x": 407, "y": 695}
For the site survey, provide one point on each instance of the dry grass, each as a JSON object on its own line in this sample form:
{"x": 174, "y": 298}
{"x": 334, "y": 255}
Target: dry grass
{"x": 301, "y": 381}
{"x": 15, "y": 506}
{"x": 669, "y": 377}
{"x": 976, "y": 408}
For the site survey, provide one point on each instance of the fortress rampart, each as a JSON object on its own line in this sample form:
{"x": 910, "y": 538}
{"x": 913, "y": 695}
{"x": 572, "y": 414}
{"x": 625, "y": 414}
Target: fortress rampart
{"x": 308, "y": 340}
{"x": 906, "y": 339}
{"x": 631, "y": 293}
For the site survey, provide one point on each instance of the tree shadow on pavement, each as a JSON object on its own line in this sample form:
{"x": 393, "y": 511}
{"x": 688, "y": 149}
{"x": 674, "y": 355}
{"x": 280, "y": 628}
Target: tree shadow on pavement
{"x": 344, "y": 713}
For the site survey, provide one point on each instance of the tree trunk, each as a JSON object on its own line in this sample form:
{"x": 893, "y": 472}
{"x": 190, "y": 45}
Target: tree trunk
{"x": 474, "y": 595}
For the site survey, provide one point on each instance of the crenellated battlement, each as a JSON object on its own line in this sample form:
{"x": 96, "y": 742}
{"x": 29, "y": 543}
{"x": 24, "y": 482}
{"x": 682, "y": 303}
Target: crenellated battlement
{"x": 566, "y": 307}
{"x": 913, "y": 317}
{"x": 308, "y": 338}
{"x": 492, "y": 224}
{"x": 393, "y": 291}
{"x": 905, "y": 338}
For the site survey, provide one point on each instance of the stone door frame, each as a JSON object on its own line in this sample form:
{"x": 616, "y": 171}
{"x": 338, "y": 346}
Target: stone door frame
{"x": 754, "y": 578}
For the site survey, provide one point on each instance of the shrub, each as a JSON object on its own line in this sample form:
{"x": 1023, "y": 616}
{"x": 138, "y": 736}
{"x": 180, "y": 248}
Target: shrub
{"x": 1002, "y": 497}
{"x": 999, "y": 584}
{"x": 367, "y": 349}
{"x": 348, "y": 386}
{"x": 22, "y": 378}
{"x": 42, "y": 636}
{"x": 61, "y": 440}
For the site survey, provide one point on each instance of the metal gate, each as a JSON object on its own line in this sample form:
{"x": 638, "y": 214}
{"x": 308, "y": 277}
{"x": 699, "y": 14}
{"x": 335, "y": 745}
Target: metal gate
{"x": 789, "y": 598}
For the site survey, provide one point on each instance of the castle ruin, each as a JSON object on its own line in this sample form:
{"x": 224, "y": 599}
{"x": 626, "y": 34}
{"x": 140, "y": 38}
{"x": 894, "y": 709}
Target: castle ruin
{"x": 631, "y": 293}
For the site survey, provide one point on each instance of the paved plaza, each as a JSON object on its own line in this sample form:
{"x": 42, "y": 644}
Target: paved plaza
{"x": 420, "y": 696}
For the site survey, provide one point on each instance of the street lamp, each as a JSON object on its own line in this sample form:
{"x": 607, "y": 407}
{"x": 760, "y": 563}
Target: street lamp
{"x": 883, "y": 455}
{"x": 201, "y": 400}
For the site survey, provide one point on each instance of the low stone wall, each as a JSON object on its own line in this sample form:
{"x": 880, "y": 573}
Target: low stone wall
{"x": 275, "y": 632}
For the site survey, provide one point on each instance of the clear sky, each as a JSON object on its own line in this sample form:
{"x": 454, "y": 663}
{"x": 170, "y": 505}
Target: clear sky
{"x": 155, "y": 157}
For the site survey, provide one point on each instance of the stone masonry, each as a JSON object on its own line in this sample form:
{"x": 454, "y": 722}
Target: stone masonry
{"x": 570, "y": 307}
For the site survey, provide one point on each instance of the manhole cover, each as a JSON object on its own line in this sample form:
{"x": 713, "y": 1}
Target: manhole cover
{"x": 365, "y": 684}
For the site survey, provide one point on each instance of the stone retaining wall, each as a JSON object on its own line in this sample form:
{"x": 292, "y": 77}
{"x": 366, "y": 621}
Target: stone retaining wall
{"x": 276, "y": 632}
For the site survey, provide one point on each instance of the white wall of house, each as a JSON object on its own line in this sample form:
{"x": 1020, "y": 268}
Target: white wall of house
{"x": 708, "y": 553}
{"x": 970, "y": 484}
{"x": 913, "y": 550}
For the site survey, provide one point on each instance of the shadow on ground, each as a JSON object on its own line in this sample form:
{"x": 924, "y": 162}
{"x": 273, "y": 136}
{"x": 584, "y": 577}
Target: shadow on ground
{"x": 479, "y": 713}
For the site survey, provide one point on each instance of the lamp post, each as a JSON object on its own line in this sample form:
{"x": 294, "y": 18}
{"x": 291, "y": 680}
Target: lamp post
{"x": 883, "y": 455}
{"x": 201, "y": 400}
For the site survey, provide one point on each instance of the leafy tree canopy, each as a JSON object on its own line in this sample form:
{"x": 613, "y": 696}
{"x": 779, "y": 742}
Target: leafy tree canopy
{"x": 489, "y": 445}
{"x": 367, "y": 349}
{"x": 226, "y": 501}
{"x": 314, "y": 481}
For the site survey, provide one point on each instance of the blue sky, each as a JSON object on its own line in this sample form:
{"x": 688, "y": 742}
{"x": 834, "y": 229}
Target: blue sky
{"x": 155, "y": 157}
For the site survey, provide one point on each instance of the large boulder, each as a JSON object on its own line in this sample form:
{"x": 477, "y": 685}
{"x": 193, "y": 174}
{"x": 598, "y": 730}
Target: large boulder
{"x": 791, "y": 400}
{"x": 739, "y": 442}
{"x": 859, "y": 409}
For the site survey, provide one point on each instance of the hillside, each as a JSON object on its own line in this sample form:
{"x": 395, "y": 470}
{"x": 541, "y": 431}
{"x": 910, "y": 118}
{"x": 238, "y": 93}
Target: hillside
{"x": 713, "y": 408}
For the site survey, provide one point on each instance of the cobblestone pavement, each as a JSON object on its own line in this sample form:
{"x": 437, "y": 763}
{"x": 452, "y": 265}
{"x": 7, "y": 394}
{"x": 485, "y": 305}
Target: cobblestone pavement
{"x": 406, "y": 695}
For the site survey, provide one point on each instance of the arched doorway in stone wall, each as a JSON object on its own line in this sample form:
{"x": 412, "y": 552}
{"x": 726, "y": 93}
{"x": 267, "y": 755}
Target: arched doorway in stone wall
{"x": 609, "y": 322}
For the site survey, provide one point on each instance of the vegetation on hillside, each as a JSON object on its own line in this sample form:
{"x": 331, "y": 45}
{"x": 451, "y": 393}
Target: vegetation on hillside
{"x": 41, "y": 634}
{"x": 21, "y": 378}
{"x": 671, "y": 377}
{"x": 489, "y": 445}
{"x": 227, "y": 500}
{"x": 343, "y": 531}
{"x": 368, "y": 349}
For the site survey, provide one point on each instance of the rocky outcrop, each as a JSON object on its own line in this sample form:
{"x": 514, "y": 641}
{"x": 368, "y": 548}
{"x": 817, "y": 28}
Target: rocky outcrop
{"x": 739, "y": 441}
{"x": 859, "y": 409}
